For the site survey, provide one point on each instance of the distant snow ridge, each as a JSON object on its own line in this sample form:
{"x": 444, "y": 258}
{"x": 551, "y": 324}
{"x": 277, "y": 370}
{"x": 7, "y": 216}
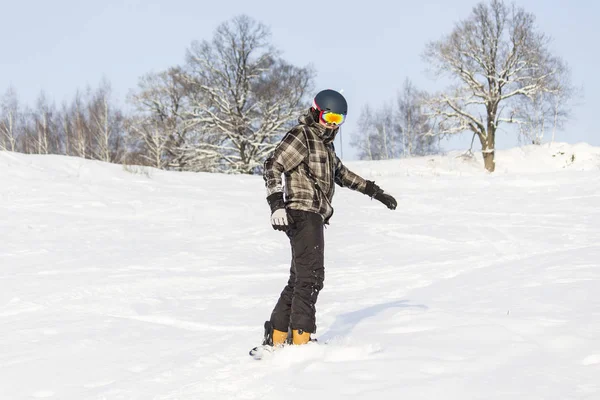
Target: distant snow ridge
{"x": 520, "y": 160}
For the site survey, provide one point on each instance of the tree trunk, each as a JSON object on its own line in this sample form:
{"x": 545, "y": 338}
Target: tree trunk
{"x": 488, "y": 149}
{"x": 158, "y": 151}
{"x": 488, "y": 160}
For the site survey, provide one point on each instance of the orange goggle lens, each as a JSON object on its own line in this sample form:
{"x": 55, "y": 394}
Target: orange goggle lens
{"x": 332, "y": 118}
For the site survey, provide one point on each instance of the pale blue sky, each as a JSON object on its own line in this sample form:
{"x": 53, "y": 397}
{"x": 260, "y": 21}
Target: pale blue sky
{"x": 366, "y": 48}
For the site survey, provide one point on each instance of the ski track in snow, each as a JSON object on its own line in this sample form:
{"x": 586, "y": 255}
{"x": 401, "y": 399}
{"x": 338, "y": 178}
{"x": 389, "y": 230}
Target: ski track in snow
{"x": 155, "y": 286}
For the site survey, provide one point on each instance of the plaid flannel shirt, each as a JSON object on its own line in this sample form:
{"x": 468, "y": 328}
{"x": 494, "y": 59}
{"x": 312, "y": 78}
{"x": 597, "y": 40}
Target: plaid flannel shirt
{"x": 306, "y": 158}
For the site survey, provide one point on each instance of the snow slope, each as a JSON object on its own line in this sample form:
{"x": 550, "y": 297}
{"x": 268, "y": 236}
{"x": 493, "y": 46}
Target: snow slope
{"x": 133, "y": 283}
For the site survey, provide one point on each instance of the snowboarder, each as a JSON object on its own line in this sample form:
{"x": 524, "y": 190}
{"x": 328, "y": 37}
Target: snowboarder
{"x": 306, "y": 157}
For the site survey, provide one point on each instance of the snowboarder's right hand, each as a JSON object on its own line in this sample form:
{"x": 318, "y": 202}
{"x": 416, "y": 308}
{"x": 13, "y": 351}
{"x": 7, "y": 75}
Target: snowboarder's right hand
{"x": 279, "y": 218}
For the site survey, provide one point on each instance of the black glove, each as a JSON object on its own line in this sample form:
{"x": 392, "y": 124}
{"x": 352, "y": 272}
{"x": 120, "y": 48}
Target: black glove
{"x": 279, "y": 217}
{"x": 377, "y": 193}
{"x": 372, "y": 189}
{"x": 387, "y": 200}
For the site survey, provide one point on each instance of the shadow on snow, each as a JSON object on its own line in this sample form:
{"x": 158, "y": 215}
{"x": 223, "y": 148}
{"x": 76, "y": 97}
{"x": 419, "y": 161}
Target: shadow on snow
{"x": 345, "y": 323}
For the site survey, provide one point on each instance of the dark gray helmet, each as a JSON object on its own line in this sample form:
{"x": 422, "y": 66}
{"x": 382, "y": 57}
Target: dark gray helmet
{"x": 330, "y": 100}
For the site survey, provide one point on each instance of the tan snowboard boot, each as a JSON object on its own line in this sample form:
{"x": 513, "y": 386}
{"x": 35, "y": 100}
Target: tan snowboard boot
{"x": 273, "y": 337}
{"x": 279, "y": 337}
{"x": 300, "y": 337}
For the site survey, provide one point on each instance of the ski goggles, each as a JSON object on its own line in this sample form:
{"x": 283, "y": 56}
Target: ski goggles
{"x": 330, "y": 117}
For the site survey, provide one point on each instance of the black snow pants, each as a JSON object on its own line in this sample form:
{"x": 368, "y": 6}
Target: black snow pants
{"x": 296, "y": 305}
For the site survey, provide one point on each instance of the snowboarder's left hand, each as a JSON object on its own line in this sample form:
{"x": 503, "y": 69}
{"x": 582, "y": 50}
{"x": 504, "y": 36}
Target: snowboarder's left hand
{"x": 375, "y": 192}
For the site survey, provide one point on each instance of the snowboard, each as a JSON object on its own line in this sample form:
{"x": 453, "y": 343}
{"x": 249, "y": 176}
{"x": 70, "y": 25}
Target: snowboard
{"x": 259, "y": 352}
{"x": 266, "y": 350}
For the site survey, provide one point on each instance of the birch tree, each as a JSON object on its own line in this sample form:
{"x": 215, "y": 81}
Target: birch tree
{"x": 362, "y": 139}
{"x": 414, "y": 125}
{"x": 495, "y": 56}
{"x": 9, "y": 120}
{"x": 563, "y": 94}
{"x": 80, "y": 141}
{"x": 27, "y": 141}
{"x": 547, "y": 111}
{"x": 46, "y": 137}
{"x": 402, "y": 130}
{"x": 533, "y": 115}
{"x": 65, "y": 123}
{"x": 41, "y": 117}
{"x": 243, "y": 97}
{"x": 105, "y": 124}
{"x": 378, "y": 136}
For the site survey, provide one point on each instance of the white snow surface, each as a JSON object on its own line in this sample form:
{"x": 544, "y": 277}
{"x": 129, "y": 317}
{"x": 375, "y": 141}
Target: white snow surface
{"x": 135, "y": 283}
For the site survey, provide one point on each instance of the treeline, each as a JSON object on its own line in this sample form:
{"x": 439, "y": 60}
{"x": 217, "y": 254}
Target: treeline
{"x": 89, "y": 126}
{"x": 227, "y": 105}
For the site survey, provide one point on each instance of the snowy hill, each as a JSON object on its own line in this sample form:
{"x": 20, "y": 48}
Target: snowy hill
{"x": 134, "y": 283}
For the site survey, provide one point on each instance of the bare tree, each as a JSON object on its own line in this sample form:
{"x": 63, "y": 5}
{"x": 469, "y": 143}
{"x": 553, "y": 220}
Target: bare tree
{"x": 378, "y": 135}
{"x": 9, "y": 118}
{"x": 533, "y": 115}
{"x": 396, "y": 131}
{"x": 562, "y": 95}
{"x": 46, "y": 139}
{"x": 106, "y": 124}
{"x": 243, "y": 97}
{"x": 414, "y": 125}
{"x": 546, "y": 110}
{"x": 65, "y": 125}
{"x": 158, "y": 125}
{"x": 496, "y": 56}
{"x": 27, "y": 140}
{"x": 80, "y": 132}
{"x": 362, "y": 139}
